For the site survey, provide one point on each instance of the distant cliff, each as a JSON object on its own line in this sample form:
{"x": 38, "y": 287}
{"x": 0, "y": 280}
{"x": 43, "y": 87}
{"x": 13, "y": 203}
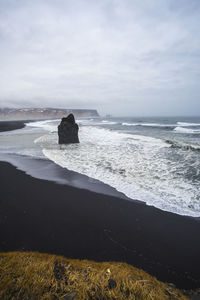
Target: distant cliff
{"x": 44, "y": 113}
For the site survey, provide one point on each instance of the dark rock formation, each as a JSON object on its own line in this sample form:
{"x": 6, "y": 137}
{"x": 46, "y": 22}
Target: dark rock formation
{"x": 68, "y": 131}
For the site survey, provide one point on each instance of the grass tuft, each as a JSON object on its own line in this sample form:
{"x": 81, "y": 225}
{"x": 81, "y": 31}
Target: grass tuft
{"x": 32, "y": 276}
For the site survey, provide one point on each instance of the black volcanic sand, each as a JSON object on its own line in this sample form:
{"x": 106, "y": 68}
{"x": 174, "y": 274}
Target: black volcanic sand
{"x": 11, "y": 125}
{"x": 40, "y": 215}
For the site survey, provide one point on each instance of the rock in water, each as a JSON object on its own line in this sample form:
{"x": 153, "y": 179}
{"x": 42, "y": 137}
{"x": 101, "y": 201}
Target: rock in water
{"x": 68, "y": 130}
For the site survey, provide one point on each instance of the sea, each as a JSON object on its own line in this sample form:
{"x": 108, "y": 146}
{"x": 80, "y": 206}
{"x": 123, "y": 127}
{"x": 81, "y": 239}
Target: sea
{"x": 155, "y": 160}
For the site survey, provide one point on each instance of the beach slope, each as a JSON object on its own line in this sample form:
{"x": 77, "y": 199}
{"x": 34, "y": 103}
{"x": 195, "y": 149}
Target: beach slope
{"x": 40, "y": 215}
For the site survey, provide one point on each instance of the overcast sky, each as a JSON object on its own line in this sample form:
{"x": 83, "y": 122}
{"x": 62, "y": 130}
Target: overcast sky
{"x": 124, "y": 57}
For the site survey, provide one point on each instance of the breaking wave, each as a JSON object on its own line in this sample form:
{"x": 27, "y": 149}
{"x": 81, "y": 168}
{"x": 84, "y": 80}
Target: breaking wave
{"x": 48, "y": 125}
{"x": 186, "y": 130}
{"x": 182, "y": 145}
{"x": 188, "y": 124}
{"x": 138, "y": 166}
{"x": 149, "y": 124}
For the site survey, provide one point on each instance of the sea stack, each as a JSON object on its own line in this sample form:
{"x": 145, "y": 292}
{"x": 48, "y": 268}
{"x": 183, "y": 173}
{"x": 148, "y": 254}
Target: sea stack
{"x": 68, "y": 130}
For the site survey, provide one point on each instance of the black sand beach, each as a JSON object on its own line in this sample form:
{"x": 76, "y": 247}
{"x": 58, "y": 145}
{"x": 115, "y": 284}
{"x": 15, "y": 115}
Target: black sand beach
{"x": 11, "y": 125}
{"x": 40, "y": 215}
{"x": 43, "y": 216}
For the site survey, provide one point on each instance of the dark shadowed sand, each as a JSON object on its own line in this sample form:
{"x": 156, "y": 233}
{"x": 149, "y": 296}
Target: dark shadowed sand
{"x": 40, "y": 215}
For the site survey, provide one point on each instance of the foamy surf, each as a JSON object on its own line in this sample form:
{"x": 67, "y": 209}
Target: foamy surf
{"x": 46, "y": 125}
{"x": 133, "y": 164}
{"x": 152, "y": 164}
{"x": 186, "y": 130}
{"x": 148, "y": 124}
{"x": 182, "y": 145}
{"x": 188, "y": 124}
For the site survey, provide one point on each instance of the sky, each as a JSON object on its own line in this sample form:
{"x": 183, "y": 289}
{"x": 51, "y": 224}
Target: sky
{"x": 121, "y": 57}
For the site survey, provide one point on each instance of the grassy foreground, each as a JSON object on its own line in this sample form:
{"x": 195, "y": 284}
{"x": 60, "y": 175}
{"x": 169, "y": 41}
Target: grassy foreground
{"x": 31, "y": 275}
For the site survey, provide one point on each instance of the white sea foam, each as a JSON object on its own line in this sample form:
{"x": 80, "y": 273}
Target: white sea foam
{"x": 183, "y": 145}
{"x": 49, "y": 125}
{"x": 160, "y": 173}
{"x": 84, "y": 121}
{"x": 186, "y": 130}
{"x": 133, "y": 164}
{"x": 108, "y": 122}
{"x": 148, "y": 124}
{"x": 130, "y": 124}
{"x": 90, "y": 122}
{"x": 187, "y": 124}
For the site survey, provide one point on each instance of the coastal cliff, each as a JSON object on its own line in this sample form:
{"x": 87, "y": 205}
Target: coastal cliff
{"x": 44, "y": 113}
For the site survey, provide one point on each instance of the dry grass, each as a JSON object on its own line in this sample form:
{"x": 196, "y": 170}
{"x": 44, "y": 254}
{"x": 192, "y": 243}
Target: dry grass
{"x": 30, "y": 275}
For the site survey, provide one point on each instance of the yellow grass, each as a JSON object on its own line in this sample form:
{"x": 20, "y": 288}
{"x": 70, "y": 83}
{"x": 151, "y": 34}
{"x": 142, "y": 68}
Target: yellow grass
{"x": 31, "y": 275}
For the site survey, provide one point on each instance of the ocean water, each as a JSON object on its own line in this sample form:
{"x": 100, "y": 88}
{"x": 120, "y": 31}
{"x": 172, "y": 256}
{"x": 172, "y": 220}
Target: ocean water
{"x": 154, "y": 160}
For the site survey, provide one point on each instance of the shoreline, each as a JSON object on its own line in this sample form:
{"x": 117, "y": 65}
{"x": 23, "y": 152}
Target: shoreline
{"x": 40, "y": 215}
{"x": 48, "y": 170}
{"x": 11, "y": 125}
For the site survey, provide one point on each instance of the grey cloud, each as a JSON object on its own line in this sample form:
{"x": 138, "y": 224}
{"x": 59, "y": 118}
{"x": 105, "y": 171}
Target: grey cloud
{"x": 110, "y": 54}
